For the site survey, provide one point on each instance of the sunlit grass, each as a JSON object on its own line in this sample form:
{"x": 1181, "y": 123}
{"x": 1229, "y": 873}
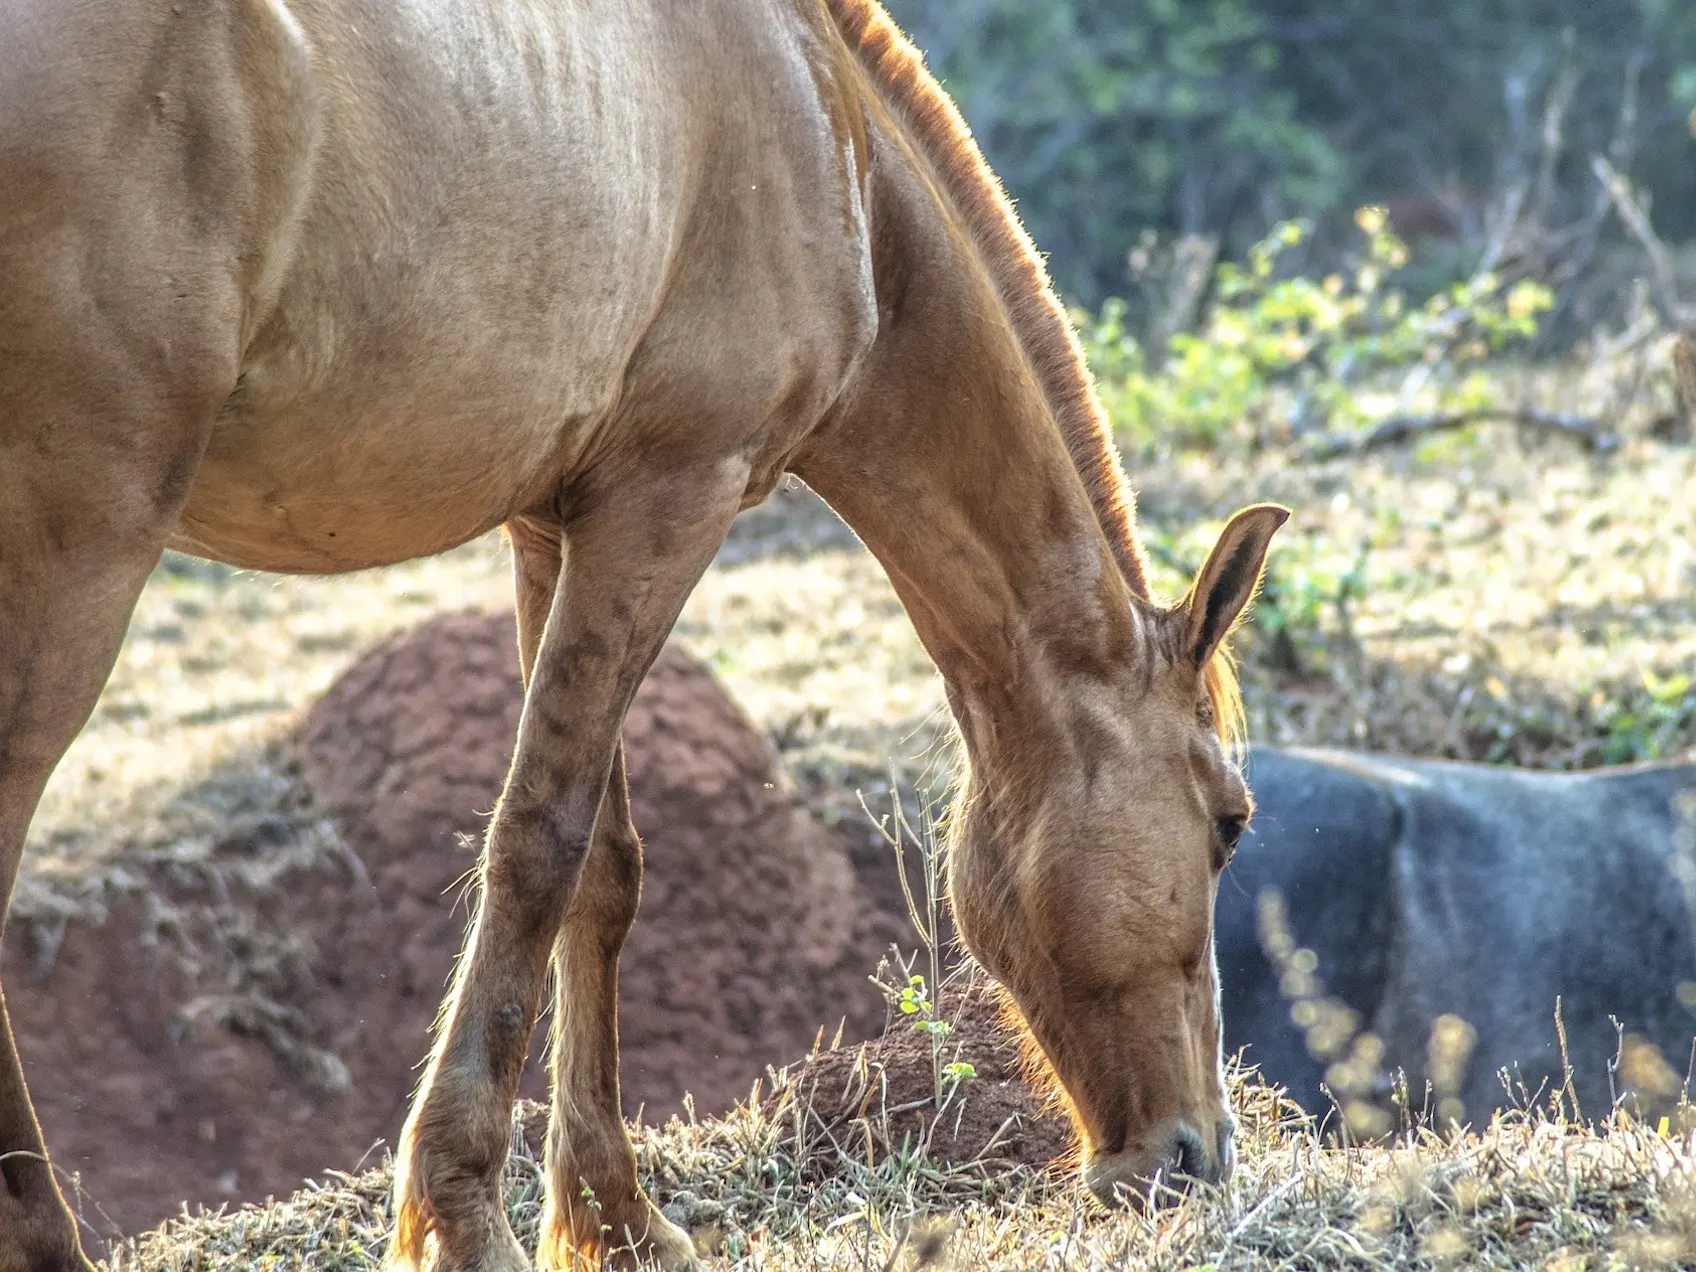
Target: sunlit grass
{"x": 765, "y": 1192}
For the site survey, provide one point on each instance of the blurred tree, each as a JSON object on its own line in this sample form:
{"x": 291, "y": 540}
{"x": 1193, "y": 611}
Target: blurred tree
{"x": 1454, "y": 94}
{"x": 1104, "y": 117}
{"x": 1221, "y": 117}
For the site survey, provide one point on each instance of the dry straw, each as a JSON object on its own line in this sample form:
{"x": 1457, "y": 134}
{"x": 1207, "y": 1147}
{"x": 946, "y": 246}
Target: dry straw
{"x": 781, "y": 1191}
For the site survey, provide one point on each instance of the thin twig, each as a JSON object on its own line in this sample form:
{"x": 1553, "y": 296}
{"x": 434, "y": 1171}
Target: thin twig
{"x": 1684, "y": 369}
{"x": 1636, "y": 219}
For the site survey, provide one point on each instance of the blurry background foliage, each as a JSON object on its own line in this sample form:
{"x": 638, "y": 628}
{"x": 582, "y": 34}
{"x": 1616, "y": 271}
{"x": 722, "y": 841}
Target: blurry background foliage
{"x": 1278, "y": 356}
{"x": 1474, "y": 121}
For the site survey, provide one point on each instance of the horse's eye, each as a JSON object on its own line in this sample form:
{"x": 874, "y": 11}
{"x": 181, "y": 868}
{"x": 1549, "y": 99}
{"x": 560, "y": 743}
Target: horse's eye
{"x": 1230, "y": 830}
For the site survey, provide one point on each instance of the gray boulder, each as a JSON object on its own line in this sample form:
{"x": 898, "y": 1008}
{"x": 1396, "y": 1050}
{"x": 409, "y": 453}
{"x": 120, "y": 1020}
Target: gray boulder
{"x": 1427, "y": 888}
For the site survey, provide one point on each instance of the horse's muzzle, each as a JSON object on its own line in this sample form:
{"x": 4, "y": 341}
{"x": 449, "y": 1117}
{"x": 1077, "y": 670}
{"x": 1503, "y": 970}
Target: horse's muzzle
{"x": 1183, "y": 1158}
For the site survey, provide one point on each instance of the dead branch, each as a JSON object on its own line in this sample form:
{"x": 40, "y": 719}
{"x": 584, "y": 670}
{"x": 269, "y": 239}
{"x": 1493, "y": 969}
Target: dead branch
{"x": 1555, "y": 108}
{"x": 1400, "y": 428}
{"x": 1631, "y": 212}
{"x": 1193, "y": 258}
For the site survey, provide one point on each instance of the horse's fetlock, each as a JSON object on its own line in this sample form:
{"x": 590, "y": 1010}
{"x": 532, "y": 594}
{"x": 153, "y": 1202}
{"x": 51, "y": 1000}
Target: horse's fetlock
{"x": 455, "y": 1148}
{"x": 580, "y": 1229}
{"x": 599, "y": 1168}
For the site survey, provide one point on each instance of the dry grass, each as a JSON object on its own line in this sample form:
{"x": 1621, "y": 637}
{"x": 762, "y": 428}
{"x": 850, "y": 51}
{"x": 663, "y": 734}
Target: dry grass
{"x": 776, "y": 1193}
{"x": 1533, "y": 608}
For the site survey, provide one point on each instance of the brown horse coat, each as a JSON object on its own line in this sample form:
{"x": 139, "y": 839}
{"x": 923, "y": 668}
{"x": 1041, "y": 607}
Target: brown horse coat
{"x": 325, "y": 284}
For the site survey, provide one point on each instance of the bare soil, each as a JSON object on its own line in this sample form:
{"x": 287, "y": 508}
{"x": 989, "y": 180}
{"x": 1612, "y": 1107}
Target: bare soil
{"x": 752, "y": 935}
{"x": 896, "y": 1092}
{"x": 156, "y": 1097}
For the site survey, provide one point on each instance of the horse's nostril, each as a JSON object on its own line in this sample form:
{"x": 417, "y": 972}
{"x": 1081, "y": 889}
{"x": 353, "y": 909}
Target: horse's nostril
{"x": 1188, "y": 1155}
{"x": 1185, "y": 1159}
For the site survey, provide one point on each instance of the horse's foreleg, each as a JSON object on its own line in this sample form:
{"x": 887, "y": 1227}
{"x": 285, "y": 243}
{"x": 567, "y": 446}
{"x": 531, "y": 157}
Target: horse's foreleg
{"x": 633, "y": 552}
{"x": 89, "y": 490}
{"x": 62, "y": 618}
{"x": 594, "y": 1200}
{"x": 595, "y": 1205}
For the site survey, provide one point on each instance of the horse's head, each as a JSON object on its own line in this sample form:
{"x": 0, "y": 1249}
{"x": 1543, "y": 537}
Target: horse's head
{"x": 1086, "y": 884}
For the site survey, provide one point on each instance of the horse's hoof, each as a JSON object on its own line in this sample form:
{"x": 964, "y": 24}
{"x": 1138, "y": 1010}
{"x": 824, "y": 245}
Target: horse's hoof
{"x": 667, "y": 1246}
{"x": 29, "y": 1259}
{"x": 663, "y": 1245}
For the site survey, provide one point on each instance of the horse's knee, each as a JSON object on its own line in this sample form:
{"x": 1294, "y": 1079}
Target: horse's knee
{"x": 533, "y": 862}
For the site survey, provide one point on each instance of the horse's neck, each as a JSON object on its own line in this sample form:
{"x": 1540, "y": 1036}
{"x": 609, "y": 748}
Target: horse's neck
{"x": 945, "y": 459}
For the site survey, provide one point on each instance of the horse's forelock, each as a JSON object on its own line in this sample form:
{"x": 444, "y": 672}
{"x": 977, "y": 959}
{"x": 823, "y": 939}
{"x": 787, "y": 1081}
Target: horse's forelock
{"x": 1225, "y": 697}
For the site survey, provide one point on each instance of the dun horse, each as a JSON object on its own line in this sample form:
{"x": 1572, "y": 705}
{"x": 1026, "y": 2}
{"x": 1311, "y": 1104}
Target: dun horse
{"x": 315, "y": 285}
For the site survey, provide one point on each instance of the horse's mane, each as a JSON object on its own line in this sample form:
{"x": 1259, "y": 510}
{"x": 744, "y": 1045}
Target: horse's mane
{"x": 897, "y": 70}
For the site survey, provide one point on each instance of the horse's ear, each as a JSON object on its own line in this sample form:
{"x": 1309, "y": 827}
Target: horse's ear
{"x": 1227, "y": 582}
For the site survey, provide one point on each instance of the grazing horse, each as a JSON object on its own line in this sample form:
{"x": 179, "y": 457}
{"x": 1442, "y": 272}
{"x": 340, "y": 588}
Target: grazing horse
{"x": 317, "y": 285}
{"x": 1429, "y": 888}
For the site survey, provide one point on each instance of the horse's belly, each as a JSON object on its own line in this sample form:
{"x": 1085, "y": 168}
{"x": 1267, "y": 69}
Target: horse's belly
{"x": 368, "y": 472}
{"x": 345, "y": 512}
{"x": 325, "y": 538}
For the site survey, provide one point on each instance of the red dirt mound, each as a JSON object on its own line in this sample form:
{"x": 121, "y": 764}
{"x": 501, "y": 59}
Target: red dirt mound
{"x": 753, "y": 934}
{"x": 887, "y": 1088}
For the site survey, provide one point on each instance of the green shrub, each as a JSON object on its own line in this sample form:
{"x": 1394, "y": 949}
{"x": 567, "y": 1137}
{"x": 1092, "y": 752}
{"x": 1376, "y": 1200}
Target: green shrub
{"x": 1651, "y": 725}
{"x": 1279, "y": 355}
